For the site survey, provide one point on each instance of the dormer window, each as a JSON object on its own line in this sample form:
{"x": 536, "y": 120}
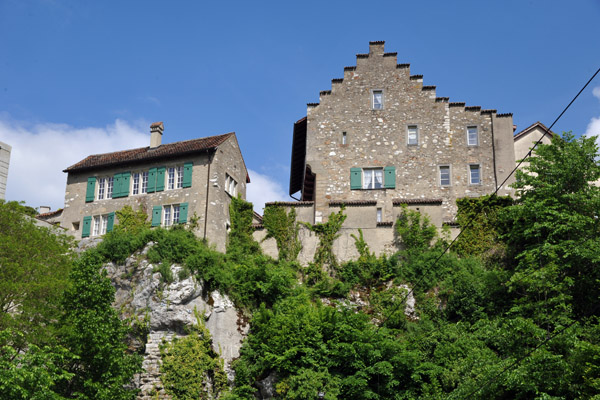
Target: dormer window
{"x": 377, "y": 99}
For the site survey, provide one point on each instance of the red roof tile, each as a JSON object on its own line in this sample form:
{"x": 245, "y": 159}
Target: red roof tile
{"x": 144, "y": 154}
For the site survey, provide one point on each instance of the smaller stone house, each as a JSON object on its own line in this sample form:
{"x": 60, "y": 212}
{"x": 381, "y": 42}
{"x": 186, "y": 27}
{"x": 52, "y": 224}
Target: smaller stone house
{"x": 526, "y": 139}
{"x": 174, "y": 183}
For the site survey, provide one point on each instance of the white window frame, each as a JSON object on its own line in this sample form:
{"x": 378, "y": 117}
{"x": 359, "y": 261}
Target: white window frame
{"x": 100, "y": 223}
{"x": 373, "y": 184}
{"x": 449, "y": 168}
{"x": 170, "y": 215}
{"x": 101, "y": 188}
{"x": 409, "y": 128}
{"x": 230, "y": 185}
{"x": 109, "y": 188}
{"x": 471, "y": 169}
{"x": 144, "y": 188}
{"x": 344, "y": 138}
{"x": 135, "y": 187}
{"x": 175, "y": 177}
{"x": 379, "y": 216}
{"x": 472, "y": 141}
{"x": 377, "y": 105}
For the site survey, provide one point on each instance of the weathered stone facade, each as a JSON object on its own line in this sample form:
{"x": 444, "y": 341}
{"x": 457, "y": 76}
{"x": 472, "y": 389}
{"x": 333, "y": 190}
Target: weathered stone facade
{"x": 380, "y": 139}
{"x": 365, "y": 122}
{"x": 214, "y": 165}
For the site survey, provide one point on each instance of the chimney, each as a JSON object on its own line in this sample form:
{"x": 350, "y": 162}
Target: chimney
{"x": 44, "y": 209}
{"x": 156, "y": 131}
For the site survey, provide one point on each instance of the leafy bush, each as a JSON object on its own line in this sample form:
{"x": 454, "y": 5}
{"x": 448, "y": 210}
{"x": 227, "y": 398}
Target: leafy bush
{"x": 190, "y": 368}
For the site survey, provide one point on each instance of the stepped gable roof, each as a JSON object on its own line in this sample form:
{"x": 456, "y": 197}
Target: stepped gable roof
{"x": 532, "y": 127}
{"x": 144, "y": 154}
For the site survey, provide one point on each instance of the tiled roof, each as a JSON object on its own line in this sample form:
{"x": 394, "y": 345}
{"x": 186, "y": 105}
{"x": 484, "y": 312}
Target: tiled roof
{"x": 49, "y": 214}
{"x": 398, "y": 202}
{"x": 335, "y": 203}
{"x": 531, "y": 127}
{"x": 289, "y": 203}
{"x": 144, "y": 154}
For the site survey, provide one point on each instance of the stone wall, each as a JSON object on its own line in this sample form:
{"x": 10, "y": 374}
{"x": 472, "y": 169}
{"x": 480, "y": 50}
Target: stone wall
{"x": 380, "y": 237}
{"x": 344, "y": 132}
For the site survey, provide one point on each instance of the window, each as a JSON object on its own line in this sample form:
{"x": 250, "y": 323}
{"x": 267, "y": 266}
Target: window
{"x": 230, "y": 185}
{"x": 413, "y": 135}
{"x": 474, "y": 174}
{"x": 472, "y": 136}
{"x": 100, "y": 225}
{"x": 344, "y": 138}
{"x": 136, "y": 183}
{"x": 444, "y": 175}
{"x": 172, "y": 214}
{"x": 101, "y": 188}
{"x": 372, "y": 178}
{"x": 377, "y": 99}
{"x": 109, "y": 188}
{"x": 379, "y": 215}
{"x": 174, "y": 177}
{"x": 105, "y": 188}
{"x": 145, "y": 182}
{"x": 179, "y": 183}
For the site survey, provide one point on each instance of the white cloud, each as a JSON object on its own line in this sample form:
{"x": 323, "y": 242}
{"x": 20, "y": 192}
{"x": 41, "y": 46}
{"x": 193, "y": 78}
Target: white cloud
{"x": 593, "y": 128}
{"x": 40, "y": 153}
{"x": 263, "y": 189}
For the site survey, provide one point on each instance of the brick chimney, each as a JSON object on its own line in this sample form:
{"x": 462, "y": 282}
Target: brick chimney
{"x": 156, "y": 131}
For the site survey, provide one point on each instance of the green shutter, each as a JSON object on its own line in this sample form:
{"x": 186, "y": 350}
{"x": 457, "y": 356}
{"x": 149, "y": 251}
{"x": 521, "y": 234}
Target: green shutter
{"x": 183, "y": 207}
{"x": 87, "y": 225}
{"x": 125, "y": 184}
{"x": 156, "y": 215}
{"x": 160, "y": 179}
{"x": 151, "y": 180}
{"x": 110, "y": 222}
{"x": 355, "y": 178}
{"x": 117, "y": 186}
{"x": 390, "y": 177}
{"x": 91, "y": 189}
{"x": 187, "y": 175}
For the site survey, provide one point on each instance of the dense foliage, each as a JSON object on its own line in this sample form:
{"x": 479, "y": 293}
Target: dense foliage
{"x": 62, "y": 338}
{"x": 510, "y": 312}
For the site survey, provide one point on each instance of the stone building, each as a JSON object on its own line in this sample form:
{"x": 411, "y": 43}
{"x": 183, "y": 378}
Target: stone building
{"x": 172, "y": 182}
{"x": 380, "y": 139}
{"x": 5, "y": 150}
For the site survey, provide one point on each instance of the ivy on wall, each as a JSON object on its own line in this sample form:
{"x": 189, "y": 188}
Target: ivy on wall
{"x": 282, "y": 226}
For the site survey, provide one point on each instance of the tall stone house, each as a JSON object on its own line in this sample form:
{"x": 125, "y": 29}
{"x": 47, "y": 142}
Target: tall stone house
{"x": 379, "y": 138}
{"x": 172, "y": 182}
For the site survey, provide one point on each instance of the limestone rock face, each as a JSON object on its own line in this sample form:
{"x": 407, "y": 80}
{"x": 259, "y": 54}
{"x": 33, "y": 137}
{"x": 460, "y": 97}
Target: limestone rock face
{"x": 168, "y": 308}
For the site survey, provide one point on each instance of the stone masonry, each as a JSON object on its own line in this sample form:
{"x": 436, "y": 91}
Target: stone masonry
{"x": 347, "y": 130}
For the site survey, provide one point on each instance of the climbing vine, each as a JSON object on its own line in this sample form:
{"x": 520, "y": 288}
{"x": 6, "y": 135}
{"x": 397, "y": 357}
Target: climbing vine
{"x": 327, "y": 232}
{"x": 190, "y": 368}
{"x": 241, "y": 243}
{"x": 284, "y": 229}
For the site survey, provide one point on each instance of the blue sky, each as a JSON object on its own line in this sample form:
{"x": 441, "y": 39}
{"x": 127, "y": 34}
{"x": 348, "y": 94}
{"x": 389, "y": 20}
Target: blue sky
{"x": 84, "y": 77}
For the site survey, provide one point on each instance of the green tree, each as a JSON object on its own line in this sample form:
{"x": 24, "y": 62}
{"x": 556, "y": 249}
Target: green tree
{"x": 34, "y": 266}
{"x": 91, "y": 330}
{"x": 553, "y": 231}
